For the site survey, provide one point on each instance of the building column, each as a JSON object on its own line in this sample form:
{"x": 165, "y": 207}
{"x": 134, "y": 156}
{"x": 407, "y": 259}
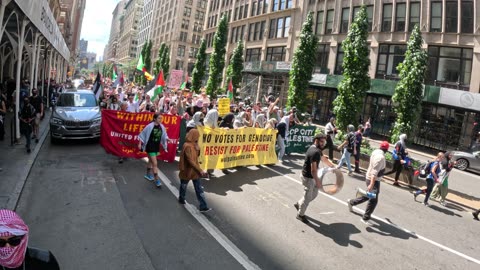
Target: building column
{"x": 33, "y": 61}
{"x": 37, "y": 60}
{"x": 49, "y": 70}
{"x": 3, "y": 5}
{"x": 21, "y": 41}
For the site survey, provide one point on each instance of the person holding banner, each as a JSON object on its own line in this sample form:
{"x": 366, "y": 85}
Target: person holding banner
{"x": 197, "y": 120}
{"x": 310, "y": 179}
{"x": 151, "y": 137}
{"x": 190, "y": 170}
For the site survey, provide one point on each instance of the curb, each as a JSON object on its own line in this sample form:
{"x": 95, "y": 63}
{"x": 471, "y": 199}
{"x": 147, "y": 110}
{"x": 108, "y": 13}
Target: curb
{"x": 17, "y": 192}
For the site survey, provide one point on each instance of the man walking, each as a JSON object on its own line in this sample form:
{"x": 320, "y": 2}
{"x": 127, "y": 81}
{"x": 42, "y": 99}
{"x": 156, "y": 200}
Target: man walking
{"x": 375, "y": 172}
{"x": 330, "y": 130}
{"x": 27, "y": 115}
{"x": 310, "y": 179}
{"x": 348, "y": 148}
{"x": 37, "y": 103}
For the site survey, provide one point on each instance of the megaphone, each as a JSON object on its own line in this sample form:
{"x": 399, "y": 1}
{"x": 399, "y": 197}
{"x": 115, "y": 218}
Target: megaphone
{"x": 364, "y": 193}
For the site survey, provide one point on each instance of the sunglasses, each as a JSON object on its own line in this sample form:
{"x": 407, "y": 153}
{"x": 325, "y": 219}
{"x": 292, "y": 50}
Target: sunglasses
{"x": 12, "y": 241}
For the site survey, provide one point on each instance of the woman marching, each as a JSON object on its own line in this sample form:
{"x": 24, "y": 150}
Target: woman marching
{"x": 432, "y": 178}
{"x": 151, "y": 137}
{"x": 441, "y": 188}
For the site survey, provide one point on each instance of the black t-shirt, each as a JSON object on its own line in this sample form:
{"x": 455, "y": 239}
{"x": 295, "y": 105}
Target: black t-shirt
{"x": 36, "y": 103}
{"x": 282, "y": 129}
{"x": 313, "y": 154}
{"x": 153, "y": 144}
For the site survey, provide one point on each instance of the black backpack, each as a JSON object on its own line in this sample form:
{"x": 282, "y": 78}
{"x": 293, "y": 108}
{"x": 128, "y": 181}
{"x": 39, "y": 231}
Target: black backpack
{"x": 351, "y": 142}
{"x": 425, "y": 169}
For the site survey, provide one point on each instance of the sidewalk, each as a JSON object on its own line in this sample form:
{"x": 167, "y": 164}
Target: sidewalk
{"x": 16, "y": 162}
{"x": 423, "y": 155}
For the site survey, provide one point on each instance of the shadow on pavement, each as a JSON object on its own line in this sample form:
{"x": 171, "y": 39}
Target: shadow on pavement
{"x": 444, "y": 210}
{"x": 389, "y": 229}
{"x": 338, "y": 232}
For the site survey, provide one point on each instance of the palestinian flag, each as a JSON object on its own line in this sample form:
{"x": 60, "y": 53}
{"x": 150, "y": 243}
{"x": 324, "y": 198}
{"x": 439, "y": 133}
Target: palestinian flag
{"x": 159, "y": 85}
{"x": 184, "y": 84}
{"x": 114, "y": 73}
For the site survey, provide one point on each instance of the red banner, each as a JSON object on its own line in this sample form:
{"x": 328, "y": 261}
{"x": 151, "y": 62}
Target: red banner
{"x": 120, "y": 130}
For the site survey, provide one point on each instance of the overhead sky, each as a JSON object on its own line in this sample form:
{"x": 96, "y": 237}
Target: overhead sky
{"x": 96, "y": 24}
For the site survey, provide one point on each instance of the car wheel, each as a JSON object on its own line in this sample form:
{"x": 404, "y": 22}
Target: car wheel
{"x": 462, "y": 164}
{"x": 53, "y": 140}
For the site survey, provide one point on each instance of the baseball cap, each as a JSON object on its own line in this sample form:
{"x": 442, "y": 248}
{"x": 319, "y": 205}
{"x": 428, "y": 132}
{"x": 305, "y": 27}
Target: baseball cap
{"x": 319, "y": 136}
{"x": 384, "y": 145}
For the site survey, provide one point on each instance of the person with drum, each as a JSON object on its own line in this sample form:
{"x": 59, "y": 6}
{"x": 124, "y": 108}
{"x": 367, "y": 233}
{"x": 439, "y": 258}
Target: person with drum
{"x": 310, "y": 178}
{"x": 375, "y": 172}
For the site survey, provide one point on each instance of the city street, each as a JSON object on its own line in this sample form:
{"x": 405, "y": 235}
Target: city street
{"x": 94, "y": 213}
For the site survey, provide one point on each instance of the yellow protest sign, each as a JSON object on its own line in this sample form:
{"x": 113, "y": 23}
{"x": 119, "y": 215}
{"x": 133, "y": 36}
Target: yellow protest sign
{"x": 227, "y": 148}
{"x": 223, "y": 106}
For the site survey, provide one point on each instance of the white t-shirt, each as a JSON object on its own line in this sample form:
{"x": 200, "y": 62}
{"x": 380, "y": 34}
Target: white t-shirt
{"x": 132, "y": 107}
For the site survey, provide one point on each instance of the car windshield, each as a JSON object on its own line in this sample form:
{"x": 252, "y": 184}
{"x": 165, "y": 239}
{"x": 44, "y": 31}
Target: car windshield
{"x": 77, "y": 100}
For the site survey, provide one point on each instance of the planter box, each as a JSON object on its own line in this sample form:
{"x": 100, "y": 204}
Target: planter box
{"x": 406, "y": 176}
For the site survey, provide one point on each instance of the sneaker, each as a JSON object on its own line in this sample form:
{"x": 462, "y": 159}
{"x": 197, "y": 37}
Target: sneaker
{"x": 120, "y": 160}
{"x": 204, "y": 210}
{"x": 149, "y": 177}
{"x": 396, "y": 184}
{"x": 181, "y": 201}
{"x": 28, "y": 150}
{"x": 303, "y": 219}
{"x": 350, "y": 205}
{"x": 414, "y": 195}
{"x": 350, "y": 173}
{"x": 357, "y": 171}
{"x": 296, "y": 206}
{"x": 158, "y": 183}
{"x": 443, "y": 203}
{"x": 366, "y": 222}
{"x": 426, "y": 204}
{"x": 475, "y": 215}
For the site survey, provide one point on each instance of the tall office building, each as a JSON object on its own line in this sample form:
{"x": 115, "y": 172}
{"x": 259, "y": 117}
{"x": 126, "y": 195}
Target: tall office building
{"x": 145, "y": 24}
{"x": 128, "y": 35}
{"x": 114, "y": 31}
{"x": 179, "y": 24}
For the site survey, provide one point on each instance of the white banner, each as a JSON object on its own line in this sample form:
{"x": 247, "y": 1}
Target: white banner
{"x": 176, "y": 78}
{"x": 319, "y": 78}
{"x": 284, "y": 65}
{"x": 458, "y": 98}
{"x": 39, "y": 13}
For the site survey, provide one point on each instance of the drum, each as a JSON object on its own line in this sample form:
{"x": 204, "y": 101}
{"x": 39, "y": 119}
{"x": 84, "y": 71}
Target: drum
{"x": 332, "y": 180}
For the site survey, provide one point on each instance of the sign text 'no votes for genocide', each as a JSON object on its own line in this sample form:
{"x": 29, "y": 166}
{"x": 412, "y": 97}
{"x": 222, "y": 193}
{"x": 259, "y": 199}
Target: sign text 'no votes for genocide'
{"x": 120, "y": 130}
{"x": 227, "y": 148}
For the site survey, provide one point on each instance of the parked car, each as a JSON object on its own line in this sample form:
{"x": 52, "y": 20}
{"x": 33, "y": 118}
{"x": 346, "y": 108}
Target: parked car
{"x": 75, "y": 116}
{"x": 469, "y": 159}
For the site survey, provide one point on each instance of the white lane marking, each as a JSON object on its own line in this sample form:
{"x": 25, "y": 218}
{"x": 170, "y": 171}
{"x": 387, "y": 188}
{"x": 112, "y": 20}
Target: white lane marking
{"x": 387, "y": 222}
{"x": 214, "y": 231}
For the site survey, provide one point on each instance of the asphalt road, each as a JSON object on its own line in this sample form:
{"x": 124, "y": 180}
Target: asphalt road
{"x": 94, "y": 213}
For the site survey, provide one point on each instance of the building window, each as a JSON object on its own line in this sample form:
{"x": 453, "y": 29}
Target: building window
{"x": 451, "y": 20}
{"x": 256, "y": 31}
{"x": 179, "y": 65}
{"x": 254, "y": 8}
{"x": 181, "y": 51}
{"x": 449, "y": 65}
{"x": 389, "y": 57}
{"x": 199, "y": 15}
{"x": 253, "y": 55}
{"x": 281, "y": 4}
{"x": 202, "y": 4}
{"x": 183, "y": 36}
{"x": 344, "y": 22}
{"x": 276, "y": 54}
{"x": 400, "y": 17}
{"x": 387, "y": 18}
{"x": 319, "y": 26}
{"x": 245, "y": 11}
{"x": 436, "y": 17}
{"x": 369, "y": 15}
{"x": 240, "y": 13}
{"x": 467, "y": 17}
{"x": 339, "y": 61}
{"x": 187, "y": 11}
{"x": 195, "y": 39}
{"x": 329, "y": 26}
{"x": 276, "y": 5}
{"x": 193, "y": 52}
{"x": 414, "y": 15}
{"x": 321, "y": 61}
{"x": 188, "y": 2}
{"x": 279, "y": 27}
{"x": 185, "y": 24}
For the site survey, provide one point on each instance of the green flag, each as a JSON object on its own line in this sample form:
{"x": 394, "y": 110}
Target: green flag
{"x": 140, "y": 64}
